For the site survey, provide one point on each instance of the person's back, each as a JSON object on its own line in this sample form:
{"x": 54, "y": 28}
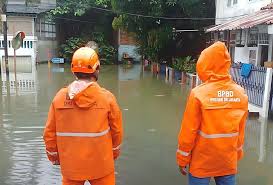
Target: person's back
{"x": 84, "y": 131}
{"x": 212, "y": 133}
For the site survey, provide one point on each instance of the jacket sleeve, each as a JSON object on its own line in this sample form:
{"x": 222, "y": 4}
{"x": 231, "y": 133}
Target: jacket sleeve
{"x": 50, "y": 137}
{"x": 240, "y": 145}
{"x": 189, "y": 130}
{"x": 115, "y": 121}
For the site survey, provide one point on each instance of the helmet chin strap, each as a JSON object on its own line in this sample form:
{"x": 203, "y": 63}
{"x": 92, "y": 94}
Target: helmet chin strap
{"x": 96, "y": 75}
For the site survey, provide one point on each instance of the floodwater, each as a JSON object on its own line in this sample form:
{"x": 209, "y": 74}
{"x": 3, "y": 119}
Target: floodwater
{"x": 152, "y": 109}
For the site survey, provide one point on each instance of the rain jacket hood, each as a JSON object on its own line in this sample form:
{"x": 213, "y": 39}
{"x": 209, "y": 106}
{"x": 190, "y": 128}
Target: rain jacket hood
{"x": 214, "y": 63}
{"x": 82, "y": 93}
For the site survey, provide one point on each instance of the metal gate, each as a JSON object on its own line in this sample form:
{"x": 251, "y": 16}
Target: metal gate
{"x": 254, "y": 85}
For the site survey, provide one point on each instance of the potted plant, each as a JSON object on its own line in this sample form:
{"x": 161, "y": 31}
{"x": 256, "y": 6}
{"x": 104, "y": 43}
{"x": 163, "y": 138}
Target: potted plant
{"x": 162, "y": 67}
{"x": 178, "y": 68}
{"x": 190, "y": 69}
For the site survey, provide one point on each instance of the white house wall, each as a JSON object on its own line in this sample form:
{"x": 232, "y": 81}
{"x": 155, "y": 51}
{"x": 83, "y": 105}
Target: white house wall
{"x": 20, "y": 23}
{"x": 243, "y": 7}
{"x": 242, "y": 54}
{"x": 21, "y": 51}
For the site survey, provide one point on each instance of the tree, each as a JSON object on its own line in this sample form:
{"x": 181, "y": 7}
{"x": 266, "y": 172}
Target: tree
{"x": 154, "y": 35}
{"x": 78, "y": 8}
{"x": 161, "y": 29}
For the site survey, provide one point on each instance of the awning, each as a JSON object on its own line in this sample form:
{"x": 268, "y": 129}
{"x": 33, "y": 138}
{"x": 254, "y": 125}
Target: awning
{"x": 264, "y": 16}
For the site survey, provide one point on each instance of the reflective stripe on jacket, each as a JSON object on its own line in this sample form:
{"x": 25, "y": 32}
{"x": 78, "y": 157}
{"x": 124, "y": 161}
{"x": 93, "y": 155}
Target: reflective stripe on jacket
{"x": 212, "y": 132}
{"x": 83, "y": 133}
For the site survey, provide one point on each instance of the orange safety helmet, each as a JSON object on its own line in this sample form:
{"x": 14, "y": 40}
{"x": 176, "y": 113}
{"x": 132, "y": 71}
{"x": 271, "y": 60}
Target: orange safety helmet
{"x": 85, "y": 60}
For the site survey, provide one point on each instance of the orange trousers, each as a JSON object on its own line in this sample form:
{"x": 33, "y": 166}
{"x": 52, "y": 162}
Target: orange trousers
{"x": 107, "y": 180}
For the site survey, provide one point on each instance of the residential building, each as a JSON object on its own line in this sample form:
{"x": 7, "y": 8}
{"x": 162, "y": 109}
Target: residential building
{"x": 246, "y": 28}
{"x": 40, "y": 42}
{"x": 127, "y": 46}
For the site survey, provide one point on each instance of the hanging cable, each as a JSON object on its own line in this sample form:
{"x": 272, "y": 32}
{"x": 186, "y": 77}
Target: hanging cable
{"x": 150, "y": 16}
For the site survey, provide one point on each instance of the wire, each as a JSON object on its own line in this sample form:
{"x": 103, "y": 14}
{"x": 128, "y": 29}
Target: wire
{"x": 75, "y": 20}
{"x": 166, "y": 18}
{"x": 46, "y": 6}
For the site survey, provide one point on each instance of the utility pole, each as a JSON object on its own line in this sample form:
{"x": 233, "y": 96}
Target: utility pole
{"x": 5, "y": 31}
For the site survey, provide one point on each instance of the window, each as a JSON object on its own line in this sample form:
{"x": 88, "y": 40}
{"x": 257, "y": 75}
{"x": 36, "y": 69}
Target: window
{"x": 252, "y": 57}
{"x": 229, "y": 3}
{"x": 46, "y": 29}
{"x": 253, "y": 38}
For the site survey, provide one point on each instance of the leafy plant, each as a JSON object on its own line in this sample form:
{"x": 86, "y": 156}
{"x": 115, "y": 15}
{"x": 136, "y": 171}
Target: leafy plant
{"x": 185, "y": 64}
{"x": 107, "y": 54}
{"x": 70, "y": 46}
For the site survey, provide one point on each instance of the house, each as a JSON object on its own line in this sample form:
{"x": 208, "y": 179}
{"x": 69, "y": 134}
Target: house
{"x": 40, "y": 42}
{"x": 127, "y": 46}
{"x": 246, "y": 28}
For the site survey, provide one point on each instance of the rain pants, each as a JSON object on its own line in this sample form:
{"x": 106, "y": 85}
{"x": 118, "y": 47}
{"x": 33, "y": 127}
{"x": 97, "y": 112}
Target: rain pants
{"x": 84, "y": 131}
{"x": 211, "y": 138}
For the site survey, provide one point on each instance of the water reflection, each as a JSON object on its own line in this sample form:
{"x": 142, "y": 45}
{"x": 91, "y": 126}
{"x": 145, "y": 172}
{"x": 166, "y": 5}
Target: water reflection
{"x": 19, "y": 83}
{"x": 152, "y": 112}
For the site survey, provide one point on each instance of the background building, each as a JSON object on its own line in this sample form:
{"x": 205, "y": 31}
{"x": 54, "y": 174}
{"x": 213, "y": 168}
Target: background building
{"x": 245, "y": 27}
{"x": 40, "y": 43}
{"x": 127, "y": 45}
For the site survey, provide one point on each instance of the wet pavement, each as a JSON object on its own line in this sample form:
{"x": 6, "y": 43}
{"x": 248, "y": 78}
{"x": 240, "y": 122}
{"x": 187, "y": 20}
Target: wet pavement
{"x": 152, "y": 109}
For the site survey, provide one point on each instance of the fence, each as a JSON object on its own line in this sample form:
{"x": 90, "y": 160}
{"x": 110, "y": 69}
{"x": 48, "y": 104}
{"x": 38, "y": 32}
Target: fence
{"x": 257, "y": 87}
{"x": 254, "y": 85}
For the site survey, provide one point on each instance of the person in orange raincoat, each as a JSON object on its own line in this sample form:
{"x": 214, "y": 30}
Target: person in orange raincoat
{"x": 83, "y": 131}
{"x": 211, "y": 138}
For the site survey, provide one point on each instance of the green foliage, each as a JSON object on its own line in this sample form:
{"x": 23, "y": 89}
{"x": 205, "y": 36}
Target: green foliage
{"x": 70, "y": 46}
{"x": 117, "y": 23}
{"x": 185, "y": 64}
{"x": 79, "y": 7}
{"x": 107, "y": 53}
{"x": 151, "y": 33}
{"x": 154, "y": 36}
{"x": 155, "y": 42}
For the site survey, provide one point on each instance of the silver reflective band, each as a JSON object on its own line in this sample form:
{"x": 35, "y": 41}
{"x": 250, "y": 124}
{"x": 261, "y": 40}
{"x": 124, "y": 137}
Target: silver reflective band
{"x": 73, "y": 134}
{"x": 183, "y": 153}
{"x": 214, "y": 136}
{"x": 116, "y": 148}
{"x": 51, "y": 153}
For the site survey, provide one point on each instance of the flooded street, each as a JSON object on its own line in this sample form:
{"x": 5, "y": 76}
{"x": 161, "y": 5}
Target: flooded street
{"x": 152, "y": 110}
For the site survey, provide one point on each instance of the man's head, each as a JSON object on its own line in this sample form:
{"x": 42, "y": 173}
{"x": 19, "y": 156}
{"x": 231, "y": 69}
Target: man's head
{"x": 214, "y": 63}
{"x": 85, "y": 64}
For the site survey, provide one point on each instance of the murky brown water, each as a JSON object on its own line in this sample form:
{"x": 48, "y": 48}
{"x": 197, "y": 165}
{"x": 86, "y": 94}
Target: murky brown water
{"x": 152, "y": 109}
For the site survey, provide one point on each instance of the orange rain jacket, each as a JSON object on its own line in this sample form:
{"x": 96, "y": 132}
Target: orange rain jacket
{"x": 84, "y": 133}
{"x": 212, "y": 132}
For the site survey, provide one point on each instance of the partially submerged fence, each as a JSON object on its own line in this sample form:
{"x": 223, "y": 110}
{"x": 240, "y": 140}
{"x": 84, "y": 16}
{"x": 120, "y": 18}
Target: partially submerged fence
{"x": 254, "y": 85}
{"x": 257, "y": 87}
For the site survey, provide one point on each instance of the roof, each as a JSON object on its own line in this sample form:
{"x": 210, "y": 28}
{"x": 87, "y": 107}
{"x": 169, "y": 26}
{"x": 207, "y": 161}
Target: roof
{"x": 19, "y": 8}
{"x": 264, "y": 16}
{"x": 269, "y": 6}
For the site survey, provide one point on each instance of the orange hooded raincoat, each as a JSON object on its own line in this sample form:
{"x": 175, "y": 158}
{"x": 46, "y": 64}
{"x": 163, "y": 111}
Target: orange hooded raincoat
{"x": 212, "y": 132}
{"x": 84, "y": 133}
